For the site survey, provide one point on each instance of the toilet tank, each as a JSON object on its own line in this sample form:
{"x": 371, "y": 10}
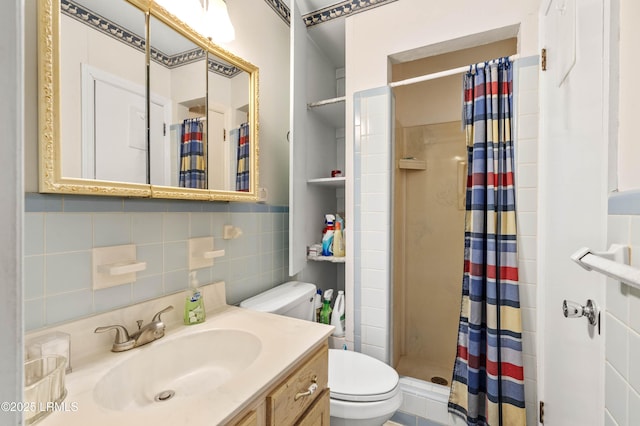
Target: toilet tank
{"x": 291, "y": 299}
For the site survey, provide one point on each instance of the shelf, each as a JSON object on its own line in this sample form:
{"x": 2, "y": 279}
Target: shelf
{"x": 115, "y": 265}
{"x": 202, "y": 253}
{"x": 331, "y": 111}
{"x": 325, "y": 102}
{"x": 121, "y": 268}
{"x": 412, "y": 164}
{"x": 331, "y": 259}
{"x": 332, "y": 182}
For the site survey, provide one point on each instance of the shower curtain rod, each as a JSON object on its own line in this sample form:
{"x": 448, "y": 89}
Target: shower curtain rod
{"x": 440, "y": 74}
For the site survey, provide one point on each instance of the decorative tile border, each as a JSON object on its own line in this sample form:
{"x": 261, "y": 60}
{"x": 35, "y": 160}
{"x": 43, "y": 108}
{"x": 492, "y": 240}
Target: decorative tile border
{"x": 340, "y": 10}
{"x": 115, "y": 31}
{"x": 281, "y": 9}
{"x": 223, "y": 69}
{"x": 177, "y": 60}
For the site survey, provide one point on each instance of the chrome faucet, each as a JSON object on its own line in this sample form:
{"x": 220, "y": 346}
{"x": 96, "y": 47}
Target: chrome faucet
{"x": 150, "y": 332}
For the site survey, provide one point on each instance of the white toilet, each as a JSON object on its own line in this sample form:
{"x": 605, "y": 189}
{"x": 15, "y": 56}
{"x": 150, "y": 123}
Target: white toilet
{"x": 364, "y": 391}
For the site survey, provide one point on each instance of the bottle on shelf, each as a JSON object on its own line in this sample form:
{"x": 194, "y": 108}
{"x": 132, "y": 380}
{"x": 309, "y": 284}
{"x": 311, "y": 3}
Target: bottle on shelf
{"x": 327, "y": 235}
{"x": 325, "y": 312}
{"x": 317, "y": 302}
{"x": 338, "y": 241}
{"x": 337, "y": 317}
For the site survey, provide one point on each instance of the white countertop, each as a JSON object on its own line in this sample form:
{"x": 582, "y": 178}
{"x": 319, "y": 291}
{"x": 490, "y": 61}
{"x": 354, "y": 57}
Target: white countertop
{"x": 284, "y": 341}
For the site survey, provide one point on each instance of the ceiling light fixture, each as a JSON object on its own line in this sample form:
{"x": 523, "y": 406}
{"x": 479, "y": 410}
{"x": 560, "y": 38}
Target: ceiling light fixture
{"x": 208, "y": 17}
{"x": 217, "y": 24}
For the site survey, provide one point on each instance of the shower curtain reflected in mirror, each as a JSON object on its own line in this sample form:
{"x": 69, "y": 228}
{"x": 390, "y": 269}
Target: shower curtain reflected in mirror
{"x": 242, "y": 169}
{"x": 192, "y": 155}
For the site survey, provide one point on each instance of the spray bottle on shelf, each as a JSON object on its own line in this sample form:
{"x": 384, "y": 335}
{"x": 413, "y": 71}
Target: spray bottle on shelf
{"x": 194, "y": 312}
{"x": 317, "y": 303}
{"x": 327, "y": 235}
{"x": 325, "y": 312}
{"x": 337, "y": 317}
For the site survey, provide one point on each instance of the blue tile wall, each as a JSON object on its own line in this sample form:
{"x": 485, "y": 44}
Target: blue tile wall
{"x": 60, "y": 232}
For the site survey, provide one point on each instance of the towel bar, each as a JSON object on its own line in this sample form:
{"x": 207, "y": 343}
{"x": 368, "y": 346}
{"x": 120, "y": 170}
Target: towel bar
{"x": 613, "y": 263}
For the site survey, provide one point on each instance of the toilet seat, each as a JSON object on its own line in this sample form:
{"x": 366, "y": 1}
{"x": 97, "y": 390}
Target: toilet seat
{"x": 357, "y": 377}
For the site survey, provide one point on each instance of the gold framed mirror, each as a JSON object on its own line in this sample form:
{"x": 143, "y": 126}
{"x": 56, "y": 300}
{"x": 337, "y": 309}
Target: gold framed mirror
{"x": 133, "y": 102}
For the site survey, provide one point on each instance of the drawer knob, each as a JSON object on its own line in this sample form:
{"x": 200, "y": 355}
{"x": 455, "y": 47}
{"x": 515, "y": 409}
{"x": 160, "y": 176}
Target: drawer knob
{"x": 310, "y": 391}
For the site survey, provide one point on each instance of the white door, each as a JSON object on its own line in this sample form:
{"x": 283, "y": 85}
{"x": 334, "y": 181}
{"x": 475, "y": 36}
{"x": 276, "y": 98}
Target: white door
{"x": 572, "y": 208}
{"x": 160, "y": 143}
{"x": 218, "y": 155}
{"x": 120, "y": 134}
{"x": 114, "y": 125}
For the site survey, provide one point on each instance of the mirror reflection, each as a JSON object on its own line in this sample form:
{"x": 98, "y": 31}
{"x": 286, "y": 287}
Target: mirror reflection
{"x": 228, "y": 128}
{"x": 174, "y": 116}
{"x": 178, "y": 93}
{"x": 102, "y": 101}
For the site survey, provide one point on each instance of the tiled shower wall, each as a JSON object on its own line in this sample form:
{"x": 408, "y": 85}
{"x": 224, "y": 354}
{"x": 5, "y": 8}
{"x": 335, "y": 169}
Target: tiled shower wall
{"x": 61, "y": 231}
{"x": 372, "y": 191}
{"x": 372, "y": 280}
{"x": 526, "y": 150}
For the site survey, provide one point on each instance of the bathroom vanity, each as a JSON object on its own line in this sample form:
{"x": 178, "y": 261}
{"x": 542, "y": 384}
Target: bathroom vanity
{"x": 240, "y": 367}
{"x": 301, "y": 397}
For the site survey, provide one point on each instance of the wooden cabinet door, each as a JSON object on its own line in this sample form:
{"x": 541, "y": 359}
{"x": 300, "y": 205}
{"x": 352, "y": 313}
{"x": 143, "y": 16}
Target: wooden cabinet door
{"x": 250, "y": 419}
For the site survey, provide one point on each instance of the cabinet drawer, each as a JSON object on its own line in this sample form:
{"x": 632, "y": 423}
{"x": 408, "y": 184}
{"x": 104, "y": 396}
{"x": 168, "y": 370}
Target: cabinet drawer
{"x": 318, "y": 414}
{"x": 286, "y": 404}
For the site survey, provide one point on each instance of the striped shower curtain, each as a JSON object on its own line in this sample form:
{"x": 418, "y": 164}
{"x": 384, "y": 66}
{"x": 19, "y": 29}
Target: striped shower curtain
{"x": 242, "y": 174}
{"x": 488, "y": 377}
{"x": 192, "y": 155}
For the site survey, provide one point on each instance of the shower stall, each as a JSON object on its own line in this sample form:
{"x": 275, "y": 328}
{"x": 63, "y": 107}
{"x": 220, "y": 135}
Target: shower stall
{"x": 429, "y": 184}
{"x": 429, "y": 248}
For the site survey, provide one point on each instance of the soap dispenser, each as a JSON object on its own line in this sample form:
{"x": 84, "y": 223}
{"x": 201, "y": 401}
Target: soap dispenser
{"x": 194, "y": 304}
{"x": 325, "y": 312}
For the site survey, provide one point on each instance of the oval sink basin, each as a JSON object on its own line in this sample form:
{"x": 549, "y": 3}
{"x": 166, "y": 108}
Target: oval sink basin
{"x": 176, "y": 368}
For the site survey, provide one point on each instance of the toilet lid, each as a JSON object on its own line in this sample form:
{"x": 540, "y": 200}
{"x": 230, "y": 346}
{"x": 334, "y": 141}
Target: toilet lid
{"x": 357, "y": 377}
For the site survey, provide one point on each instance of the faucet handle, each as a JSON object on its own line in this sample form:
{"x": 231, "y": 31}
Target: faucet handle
{"x": 122, "y": 342}
{"x": 156, "y": 317}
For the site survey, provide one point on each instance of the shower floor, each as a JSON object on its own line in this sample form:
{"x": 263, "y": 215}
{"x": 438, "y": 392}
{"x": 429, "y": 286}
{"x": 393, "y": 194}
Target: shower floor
{"x": 423, "y": 369}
